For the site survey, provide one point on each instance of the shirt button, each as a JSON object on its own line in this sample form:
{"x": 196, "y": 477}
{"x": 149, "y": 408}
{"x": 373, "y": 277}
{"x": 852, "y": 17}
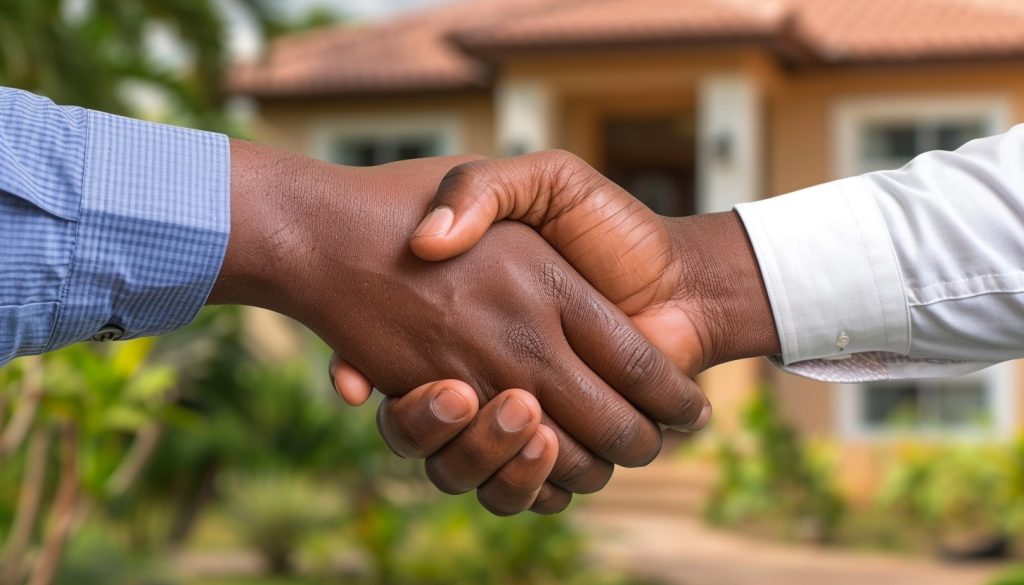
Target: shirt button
{"x": 109, "y": 332}
{"x": 842, "y": 341}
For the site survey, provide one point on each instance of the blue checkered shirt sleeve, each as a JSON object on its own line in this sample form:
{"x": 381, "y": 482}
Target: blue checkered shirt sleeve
{"x": 105, "y": 222}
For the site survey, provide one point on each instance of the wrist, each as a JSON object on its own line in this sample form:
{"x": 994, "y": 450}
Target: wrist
{"x": 268, "y": 228}
{"x": 719, "y": 274}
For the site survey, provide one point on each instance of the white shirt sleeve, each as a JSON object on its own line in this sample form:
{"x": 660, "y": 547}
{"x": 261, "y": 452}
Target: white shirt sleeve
{"x": 911, "y": 273}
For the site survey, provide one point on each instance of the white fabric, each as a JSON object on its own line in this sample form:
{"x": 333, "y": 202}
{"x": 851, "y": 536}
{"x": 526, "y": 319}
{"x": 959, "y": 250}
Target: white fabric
{"x": 911, "y": 273}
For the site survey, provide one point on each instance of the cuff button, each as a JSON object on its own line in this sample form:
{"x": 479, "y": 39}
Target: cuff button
{"x": 842, "y": 341}
{"x": 109, "y": 332}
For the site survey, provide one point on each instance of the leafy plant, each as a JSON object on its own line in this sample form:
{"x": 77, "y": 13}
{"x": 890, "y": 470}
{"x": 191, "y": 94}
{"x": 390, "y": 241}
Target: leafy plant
{"x": 956, "y": 496}
{"x": 90, "y": 53}
{"x": 770, "y": 481}
{"x": 88, "y": 418}
{"x": 277, "y": 512}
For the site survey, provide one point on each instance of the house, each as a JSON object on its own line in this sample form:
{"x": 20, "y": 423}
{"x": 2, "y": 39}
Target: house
{"x": 694, "y": 106}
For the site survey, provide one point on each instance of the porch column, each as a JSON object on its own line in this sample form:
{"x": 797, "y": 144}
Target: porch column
{"x": 729, "y": 167}
{"x": 525, "y": 116}
{"x": 729, "y": 135}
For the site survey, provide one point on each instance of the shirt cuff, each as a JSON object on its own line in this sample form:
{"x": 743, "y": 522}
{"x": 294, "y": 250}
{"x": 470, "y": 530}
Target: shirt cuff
{"x": 831, "y": 272}
{"x": 152, "y": 231}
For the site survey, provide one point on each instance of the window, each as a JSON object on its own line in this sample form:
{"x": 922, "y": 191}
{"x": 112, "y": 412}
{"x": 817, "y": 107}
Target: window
{"x": 892, "y": 144}
{"x": 367, "y": 140}
{"x": 971, "y": 406}
{"x": 887, "y": 133}
{"x": 922, "y": 405}
{"x": 369, "y": 151}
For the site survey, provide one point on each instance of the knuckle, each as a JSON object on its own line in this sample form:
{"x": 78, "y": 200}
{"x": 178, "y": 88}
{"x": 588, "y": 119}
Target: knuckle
{"x": 512, "y": 483}
{"x": 583, "y": 474}
{"x": 475, "y": 183}
{"x": 688, "y": 409}
{"x": 525, "y": 342}
{"x": 550, "y": 500}
{"x": 443, "y": 479}
{"x": 496, "y": 507}
{"x": 639, "y": 361}
{"x": 621, "y": 437}
{"x": 556, "y": 281}
{"x": 547, "y": 505}
{"x": 562, "y": 162}
{"x": 572, "y": 180}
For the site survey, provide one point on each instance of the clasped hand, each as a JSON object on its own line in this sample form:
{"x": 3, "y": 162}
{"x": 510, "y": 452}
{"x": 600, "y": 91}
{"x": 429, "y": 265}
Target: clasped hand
{"x": 537, "y": 358}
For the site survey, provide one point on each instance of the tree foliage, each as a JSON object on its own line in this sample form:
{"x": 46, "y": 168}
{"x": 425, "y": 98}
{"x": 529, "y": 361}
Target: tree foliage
{"x": 91, "y": 52}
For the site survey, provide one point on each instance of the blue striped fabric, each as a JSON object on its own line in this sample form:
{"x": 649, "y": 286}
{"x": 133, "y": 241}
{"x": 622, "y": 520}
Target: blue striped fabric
{"x": 104, "y": 220}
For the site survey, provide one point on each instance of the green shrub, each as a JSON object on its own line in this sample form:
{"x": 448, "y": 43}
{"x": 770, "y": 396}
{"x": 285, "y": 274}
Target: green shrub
{"x": 277, "y": 513}
{"x": 953, "y": 494}
{"x": 770, "y": 482}
{"x": 95, "y": 557}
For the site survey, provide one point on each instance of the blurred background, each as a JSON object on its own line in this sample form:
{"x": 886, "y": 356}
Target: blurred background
{"x": 219, "y": 455}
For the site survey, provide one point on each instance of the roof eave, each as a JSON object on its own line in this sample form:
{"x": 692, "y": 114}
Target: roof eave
{"x": 366, "y": 91}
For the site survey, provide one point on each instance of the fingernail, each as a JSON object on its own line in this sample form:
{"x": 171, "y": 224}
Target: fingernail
{"x": 700, "y": 423}
{"x": 513, "y": 415}
{"x": 702, "y": 420}
{"x": 535, "y": 447}
{"x": 436, "y": 223}
{"x": 449, "y": 406}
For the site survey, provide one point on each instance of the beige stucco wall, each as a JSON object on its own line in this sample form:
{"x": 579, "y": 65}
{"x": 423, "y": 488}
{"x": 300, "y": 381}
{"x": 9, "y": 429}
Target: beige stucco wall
{"x": 800, "y": 138}
{"x": 293, "y": 124}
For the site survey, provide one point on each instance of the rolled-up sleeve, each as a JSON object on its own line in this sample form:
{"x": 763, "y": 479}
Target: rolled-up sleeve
{"x": 917, "y": 272}
{"x": 109, "y": 225}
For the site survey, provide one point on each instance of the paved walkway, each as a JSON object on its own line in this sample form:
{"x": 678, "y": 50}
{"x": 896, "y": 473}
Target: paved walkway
{"x": 640, "y": 527}
{"x": 678, "y": 551}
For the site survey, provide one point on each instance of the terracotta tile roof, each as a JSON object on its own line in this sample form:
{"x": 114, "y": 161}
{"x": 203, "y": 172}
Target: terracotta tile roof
{"x": 891, "y": 30}
{"x": 434, "y": 49}
{"x": 590, "y": 22}
{"x": 408, "y": 53}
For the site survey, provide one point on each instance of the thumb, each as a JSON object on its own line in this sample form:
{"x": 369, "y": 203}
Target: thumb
{"x": 474, "y": 195}
{"x": 469, "y": 199}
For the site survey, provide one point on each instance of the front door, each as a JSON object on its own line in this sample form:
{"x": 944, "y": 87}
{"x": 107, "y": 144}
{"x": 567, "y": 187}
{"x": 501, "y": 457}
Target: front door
{"x": 653, "y": 157}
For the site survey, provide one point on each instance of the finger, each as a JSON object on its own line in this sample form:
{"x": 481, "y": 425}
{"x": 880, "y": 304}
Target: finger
{"x": 349, "y": 382}
{"x": 596, "y": 415}
{"x": 515, "y": 487}
{"x": 551, "y": 500}
{"x": 494, "y": 437}
{"x": 577, "y": 470}
{"x": 424, "y": 420}
{"x": 606, "y": 341}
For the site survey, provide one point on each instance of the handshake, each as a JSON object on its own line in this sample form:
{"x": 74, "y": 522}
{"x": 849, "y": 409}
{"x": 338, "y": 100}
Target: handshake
{"x": 521, "y": 358}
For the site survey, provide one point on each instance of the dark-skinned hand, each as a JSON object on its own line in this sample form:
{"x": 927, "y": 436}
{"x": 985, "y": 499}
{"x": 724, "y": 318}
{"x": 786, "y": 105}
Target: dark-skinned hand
{"x": 327, "y": 246}
{"x": 691, "y": 285}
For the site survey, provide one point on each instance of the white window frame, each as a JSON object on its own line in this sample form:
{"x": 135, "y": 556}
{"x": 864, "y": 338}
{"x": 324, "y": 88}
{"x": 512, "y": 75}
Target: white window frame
{"x": 998, "y": 383}
{"x": 447, "y": 126}
{"x": 850, "y": 116}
